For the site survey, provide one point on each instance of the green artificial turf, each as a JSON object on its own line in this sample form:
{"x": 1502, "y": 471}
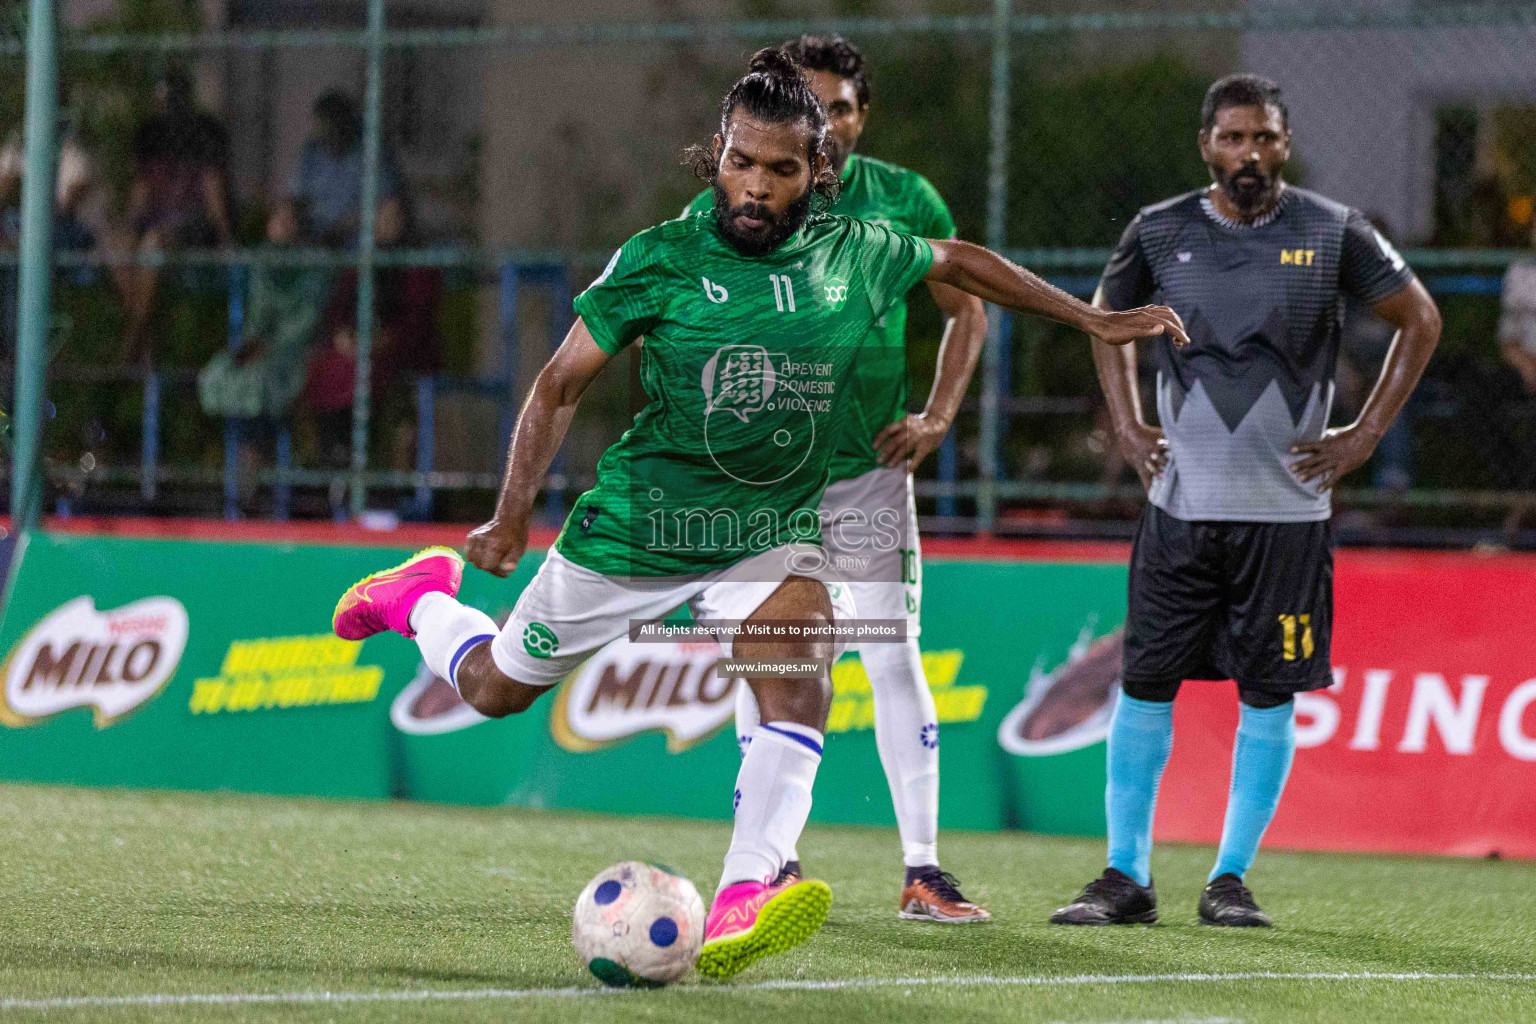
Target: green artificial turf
{"x": 115, "y": 893}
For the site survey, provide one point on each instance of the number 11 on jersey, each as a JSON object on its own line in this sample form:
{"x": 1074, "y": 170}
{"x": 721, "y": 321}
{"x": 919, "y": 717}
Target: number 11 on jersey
{"x": 784, "y": 299}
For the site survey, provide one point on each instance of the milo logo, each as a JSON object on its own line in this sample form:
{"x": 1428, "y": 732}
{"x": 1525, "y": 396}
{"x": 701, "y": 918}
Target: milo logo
{"x": 629, "y": 688}
{"x": 539, "y": 640}
{"x": 835, "y": 289}
{"x": 109, "y": 661}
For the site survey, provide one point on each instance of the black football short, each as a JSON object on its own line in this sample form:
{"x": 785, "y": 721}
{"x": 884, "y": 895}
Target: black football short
{"x": 1227, "y": 600}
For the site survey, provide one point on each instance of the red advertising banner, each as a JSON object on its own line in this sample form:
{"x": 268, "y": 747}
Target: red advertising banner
{"x": 1425, "y": 743}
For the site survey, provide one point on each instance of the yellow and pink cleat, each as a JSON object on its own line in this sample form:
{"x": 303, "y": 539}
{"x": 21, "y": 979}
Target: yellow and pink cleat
{"x": 750, "y": 920}
{"x": 383, "y": 600}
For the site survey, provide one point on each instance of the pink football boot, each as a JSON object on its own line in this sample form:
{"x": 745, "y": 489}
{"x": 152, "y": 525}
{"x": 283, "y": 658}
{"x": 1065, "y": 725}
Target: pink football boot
{"x": 750, "y": 920}
{"x": 383, "y": 600}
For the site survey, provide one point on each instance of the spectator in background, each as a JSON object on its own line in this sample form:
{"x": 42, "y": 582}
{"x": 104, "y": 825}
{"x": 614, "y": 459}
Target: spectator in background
{"x": 1517, "y": 344}
{"x": 262, "y": 378}
{"x": 178, "y": 197}
{"x": 75, "y": 192}
{"x": 405, "y": 346}
{"x": 327, "y": 183}
{"x": 1517, "y": 317}
{"x": 78, "y": 207}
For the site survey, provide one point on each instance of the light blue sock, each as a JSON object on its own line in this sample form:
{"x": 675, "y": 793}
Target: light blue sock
{"x": 1261, "y": 760}
{"x": 1140, "y": 740}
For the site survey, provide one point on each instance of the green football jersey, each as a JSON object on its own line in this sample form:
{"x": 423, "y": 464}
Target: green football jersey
{"x": 747, "y": 364}
{"x": 904, "y": 200}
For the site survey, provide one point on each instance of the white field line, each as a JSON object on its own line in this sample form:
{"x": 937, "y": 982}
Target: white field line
{"x": 1163, "y": 1020}
{"x": 788, "y": 984}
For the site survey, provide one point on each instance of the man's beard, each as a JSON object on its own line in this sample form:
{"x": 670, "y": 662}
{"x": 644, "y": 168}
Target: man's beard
{"x": 1250, "y": 190}
{"x": 777, "y": 228}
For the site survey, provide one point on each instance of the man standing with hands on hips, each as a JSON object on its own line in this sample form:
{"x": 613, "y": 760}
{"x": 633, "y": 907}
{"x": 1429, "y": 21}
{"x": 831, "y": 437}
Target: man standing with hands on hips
{"x": 1231, "y": 575}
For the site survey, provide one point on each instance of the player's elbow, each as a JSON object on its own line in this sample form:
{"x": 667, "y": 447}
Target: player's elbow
{"x": 972, "y": 308}
{"x": 557, "y": 386}
{"x": 1428, "y": 323}
{"x": 967, "y": 314}
{"x": 1418, "y": 318}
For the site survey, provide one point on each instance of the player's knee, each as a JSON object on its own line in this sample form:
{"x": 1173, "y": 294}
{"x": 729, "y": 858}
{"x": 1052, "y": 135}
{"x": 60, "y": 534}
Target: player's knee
{"x": 894, "y": 668}
{"x": 807, "y": 601}
{"x": 803, "y": 602}
{"x": 498, "y": 702}
{"x": 798, "y": 594}
{"x": 806, "y": 701}
{"x": 803, "y": 699}
{"x": 1156, "y": 693}
{"x": 1262, "y": 700}
{"x": 488, "y": 690}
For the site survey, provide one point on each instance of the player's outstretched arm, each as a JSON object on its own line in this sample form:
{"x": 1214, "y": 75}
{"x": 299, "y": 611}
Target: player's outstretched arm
{"x": 913, "y": 437}
{"x": 1345, "y": 449}
{"x": 1143, "y": 446}
{"x": 497, "y": 545}
{"x": 991, "y": 278}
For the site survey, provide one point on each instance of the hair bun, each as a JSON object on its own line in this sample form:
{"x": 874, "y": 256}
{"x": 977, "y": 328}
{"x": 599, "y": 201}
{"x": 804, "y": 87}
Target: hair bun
{"x": 771, "y": 61}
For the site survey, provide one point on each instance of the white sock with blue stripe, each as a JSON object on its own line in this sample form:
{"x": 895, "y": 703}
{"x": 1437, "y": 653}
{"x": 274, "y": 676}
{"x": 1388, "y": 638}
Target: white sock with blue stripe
{"x": 747, "y": 721}
{"x": 907, "y": 736}
{"x": 446, "y": 631}
{"x": 747, "y": 717}
{"x": 772, "y": 800}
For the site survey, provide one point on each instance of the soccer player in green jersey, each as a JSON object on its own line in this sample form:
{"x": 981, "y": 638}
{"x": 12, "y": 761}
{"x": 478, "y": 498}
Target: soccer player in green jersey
{"x": 869, "y": 520}
{"x": 710, "y": 499}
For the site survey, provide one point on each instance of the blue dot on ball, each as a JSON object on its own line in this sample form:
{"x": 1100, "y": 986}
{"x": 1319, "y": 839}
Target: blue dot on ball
{"x": 607, "y": 893}
{"x": 663, "y": 931}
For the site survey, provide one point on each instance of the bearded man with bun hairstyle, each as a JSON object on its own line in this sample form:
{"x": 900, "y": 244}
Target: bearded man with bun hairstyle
{"x": 710, "y": 499}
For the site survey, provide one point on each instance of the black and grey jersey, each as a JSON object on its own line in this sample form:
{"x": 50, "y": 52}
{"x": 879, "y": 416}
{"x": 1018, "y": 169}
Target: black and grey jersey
{"x": 1263, "y": 305}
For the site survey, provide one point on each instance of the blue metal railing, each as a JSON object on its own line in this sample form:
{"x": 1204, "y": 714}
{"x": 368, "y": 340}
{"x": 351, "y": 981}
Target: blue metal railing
{"x": 512, "y": 278}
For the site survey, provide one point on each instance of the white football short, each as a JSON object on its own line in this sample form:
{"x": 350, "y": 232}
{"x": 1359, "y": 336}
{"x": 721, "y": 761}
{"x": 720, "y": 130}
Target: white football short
{"x": 869, "y": 531}
{"x": 568, "y": 611}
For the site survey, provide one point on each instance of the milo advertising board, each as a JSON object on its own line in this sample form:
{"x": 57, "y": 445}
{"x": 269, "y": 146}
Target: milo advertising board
{"x": 198, "y": 665}
{"x": 190, "y": 665}
{"x": 201, "y": 665}
{"x": 647, "y": 727}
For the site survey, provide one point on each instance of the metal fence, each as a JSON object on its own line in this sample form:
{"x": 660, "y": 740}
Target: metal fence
{"x": 1044, "y": 131}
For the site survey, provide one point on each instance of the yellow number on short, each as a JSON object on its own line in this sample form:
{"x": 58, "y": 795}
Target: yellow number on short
{"x": 1288, "y": 628}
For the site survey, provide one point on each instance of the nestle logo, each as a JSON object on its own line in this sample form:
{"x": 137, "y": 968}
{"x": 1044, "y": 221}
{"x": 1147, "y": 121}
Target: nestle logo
{"x": 123, "y": 625}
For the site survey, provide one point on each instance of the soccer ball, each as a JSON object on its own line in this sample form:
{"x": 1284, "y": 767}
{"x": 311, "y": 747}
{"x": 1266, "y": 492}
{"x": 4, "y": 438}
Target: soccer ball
{"x": 638, "y": 924}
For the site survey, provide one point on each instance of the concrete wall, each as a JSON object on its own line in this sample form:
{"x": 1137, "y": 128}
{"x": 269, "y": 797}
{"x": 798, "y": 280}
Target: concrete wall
{"x": 606, "y": 123}
{"x": 1362, "y": 105}
{"x": 432, "y": 98}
